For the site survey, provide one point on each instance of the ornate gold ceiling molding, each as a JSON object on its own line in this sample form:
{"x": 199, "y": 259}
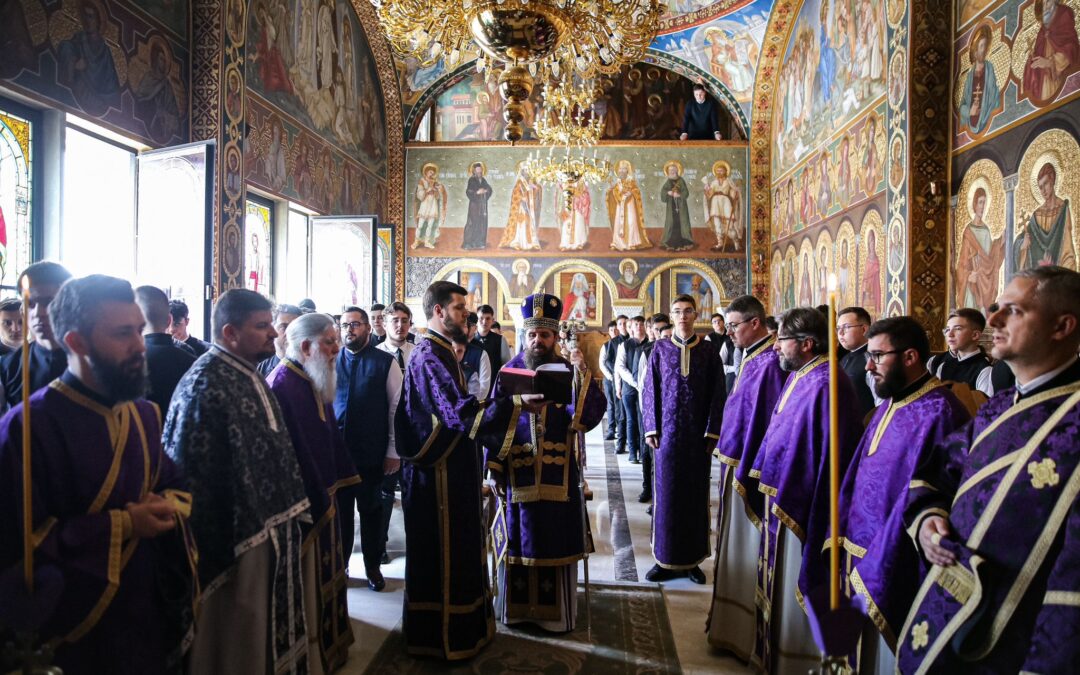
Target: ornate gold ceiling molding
{"x": 781, "y": 21}
{"x": 395, "y": 137}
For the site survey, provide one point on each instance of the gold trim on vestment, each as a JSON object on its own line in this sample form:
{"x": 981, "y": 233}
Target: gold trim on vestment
{"x": 1023, "y": 405}
{"x": 765, "y": 346}
{"x": 985, "y": 472}
{"x": 543, "y": 562}
{"x": 508, "y": 439}
{"x": 579, "y": 406}
{"x": 799, "y": 374}
{"x": 684, "y": 352}
{"x": 944, "y": 638}
{"x": 788, "y": 522}
{"x": 872, "y": 609}
{"x": 1062, "y": 598}
{"x": 922, "y": 484}
{"x": 741, "y": 489}
{"x": 894, "y": 405}
{"x": 115, "y": 565}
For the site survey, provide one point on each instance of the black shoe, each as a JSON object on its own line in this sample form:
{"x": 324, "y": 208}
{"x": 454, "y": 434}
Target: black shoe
{"x": 645, "y": 497}
{"x": 620, "y": 451}
{"x": 649, "y": 510}
{"x": 658, "y": 573}
{"x": 385, "y": 559}
{"x": 696, "y": 575}
{"x": 609, "y": 438}
{"x": 375, "y": 580}
{"x": 635, "y": 460}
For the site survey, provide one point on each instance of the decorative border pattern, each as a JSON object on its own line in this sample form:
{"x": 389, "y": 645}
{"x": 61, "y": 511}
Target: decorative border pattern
{"x": 928, "y": 152}
{"x": 395, "y": 137}
{"x": 781, "y": 22}
{"x": 206, "y": 60}
{"x": 897, "y": 124}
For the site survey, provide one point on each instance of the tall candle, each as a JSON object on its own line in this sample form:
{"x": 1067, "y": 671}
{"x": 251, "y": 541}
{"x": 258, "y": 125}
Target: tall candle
{"x": 834, "y": 449}
{"x": 28, "y": 523}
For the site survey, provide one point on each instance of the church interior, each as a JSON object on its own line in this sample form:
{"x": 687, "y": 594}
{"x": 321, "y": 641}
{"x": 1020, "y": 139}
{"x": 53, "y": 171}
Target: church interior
{"x": 905, "y": 156}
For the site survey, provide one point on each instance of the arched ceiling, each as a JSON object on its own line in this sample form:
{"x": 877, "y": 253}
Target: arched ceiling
{"x": 717, "y": 42}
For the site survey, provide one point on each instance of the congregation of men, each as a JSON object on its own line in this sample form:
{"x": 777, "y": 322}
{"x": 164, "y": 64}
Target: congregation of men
{"x": 226, "y": 476}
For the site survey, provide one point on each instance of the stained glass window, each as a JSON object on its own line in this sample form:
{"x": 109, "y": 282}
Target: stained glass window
{"x": 258, "y": 226}
{"x": 16, "y": 196}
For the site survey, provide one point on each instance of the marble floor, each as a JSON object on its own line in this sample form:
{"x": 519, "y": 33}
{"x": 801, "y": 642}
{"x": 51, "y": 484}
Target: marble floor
{"x": 621, "y": 530}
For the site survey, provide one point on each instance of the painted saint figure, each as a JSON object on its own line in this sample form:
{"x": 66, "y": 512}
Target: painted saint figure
{"x": 1055, "y": 53}
{"x": 574, "y": 221}
{"x": 628, "y": 282}
{"x": 677, "y": 235}
{"x": 1048, "y": 235}
{"x": 576, "y": 304}
{"x": 430, "y": 207}
{"x": 86, "y": 64}
{"x": 871, "y": 287}
{"x": 625, "y": 211}
{"x": 478, "y": 192}
{"x": 523, "y": 224}
{"x": 981, "y": 94}
{"x": 979, "y": 261}
{"x": 723, "y": 207}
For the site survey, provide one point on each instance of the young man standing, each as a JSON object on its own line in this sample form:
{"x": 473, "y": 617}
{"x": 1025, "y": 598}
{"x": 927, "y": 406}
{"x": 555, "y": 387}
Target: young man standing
{"x": 965, "y": 361}
{"x": 683, "y": 397}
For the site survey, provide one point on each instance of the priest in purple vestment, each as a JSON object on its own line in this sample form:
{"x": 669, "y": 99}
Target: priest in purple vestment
{"x": 749, "y": 407}
{"x": 304, "y": 383}
{"x": 792, "y": 472}
{"x": 919, "y": 412}
{"x": 682, "y": 407}
{"x": 109, "y": 510}
{"x": 538, "y": 478}
{"x": 448, "y": 611}
{"x": 994, "y": 508}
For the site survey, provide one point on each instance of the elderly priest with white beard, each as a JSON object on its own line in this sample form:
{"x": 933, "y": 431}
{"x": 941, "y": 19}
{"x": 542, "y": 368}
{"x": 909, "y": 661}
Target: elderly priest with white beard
{"x": 304, "y": 383}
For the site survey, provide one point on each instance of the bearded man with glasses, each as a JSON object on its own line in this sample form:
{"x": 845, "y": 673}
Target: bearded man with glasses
{"x": 920, "y": 412}
{"x": 792, "y": 470}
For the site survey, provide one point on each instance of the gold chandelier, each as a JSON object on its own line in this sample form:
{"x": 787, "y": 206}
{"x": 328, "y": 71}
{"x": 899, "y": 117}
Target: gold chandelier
{"x": 567, "y": 117}
{"x": 530, "y": 36}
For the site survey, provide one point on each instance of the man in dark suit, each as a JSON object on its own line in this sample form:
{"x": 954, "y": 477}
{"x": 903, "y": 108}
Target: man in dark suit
{"x": 167, "y": 359}
{"x": 179, "y": 328}
{"x": 852, "y": 323}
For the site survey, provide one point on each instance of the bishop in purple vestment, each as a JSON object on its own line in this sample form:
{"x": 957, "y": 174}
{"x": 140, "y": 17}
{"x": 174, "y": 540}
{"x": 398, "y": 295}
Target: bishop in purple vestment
{"x": 538, "y": 477}
{"x": 682, "y": 407}
{"x": 304, "y": 384}
{"x": 792, "y": 473}
{"x": 448, "y": 610}
{"x": 109, "y": 507}
{"x": 747, "y": 412}
{"x": 995, "y": 508}
{"x": 919, "y": 412}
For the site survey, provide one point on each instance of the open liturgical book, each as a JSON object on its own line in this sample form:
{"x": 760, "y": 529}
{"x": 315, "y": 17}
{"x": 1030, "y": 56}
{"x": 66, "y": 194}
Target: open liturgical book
{"x": 553, "y": 380}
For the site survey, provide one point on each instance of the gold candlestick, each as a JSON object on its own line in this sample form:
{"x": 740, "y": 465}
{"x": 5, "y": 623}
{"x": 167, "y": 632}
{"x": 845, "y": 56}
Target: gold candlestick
{"x": 834, "y": 459}
{"x": 28, "y": 522}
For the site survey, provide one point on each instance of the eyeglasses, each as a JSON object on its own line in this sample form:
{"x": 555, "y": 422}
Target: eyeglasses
{"x": 682, "y": 312}
{"x": 352, "y": 324}
{"x": 734, "y": 325}
{"x": 878, "y": 357}
{"x": 780, "y": 338}
{"x": 952, "y": 329}
{"x": 844, "y": 327}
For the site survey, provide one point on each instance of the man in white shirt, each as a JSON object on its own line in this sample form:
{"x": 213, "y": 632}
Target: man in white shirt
{"x": 626, "y": 366}
{"x": 608, "y": 352}
{"x": 368, "y": 390}
{"x": 398, "y": 321}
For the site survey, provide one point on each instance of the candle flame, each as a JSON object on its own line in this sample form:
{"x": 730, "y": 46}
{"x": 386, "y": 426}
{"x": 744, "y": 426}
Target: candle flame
{"x": 832, "y": 282}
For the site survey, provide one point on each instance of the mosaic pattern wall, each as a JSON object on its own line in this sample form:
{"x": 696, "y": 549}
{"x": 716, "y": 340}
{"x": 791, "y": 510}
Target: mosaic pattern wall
{"x": 839, "y": 156}
{"x": 473, "y": 207}
{"x": 315, "y": 112}
{"x": 122, "y": 64}
{"x": 1016, "y": 161}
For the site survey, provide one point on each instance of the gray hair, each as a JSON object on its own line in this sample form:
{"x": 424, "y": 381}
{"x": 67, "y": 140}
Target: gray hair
{"x": 1057, "y": 289}
{"x": 309, "y": 327}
